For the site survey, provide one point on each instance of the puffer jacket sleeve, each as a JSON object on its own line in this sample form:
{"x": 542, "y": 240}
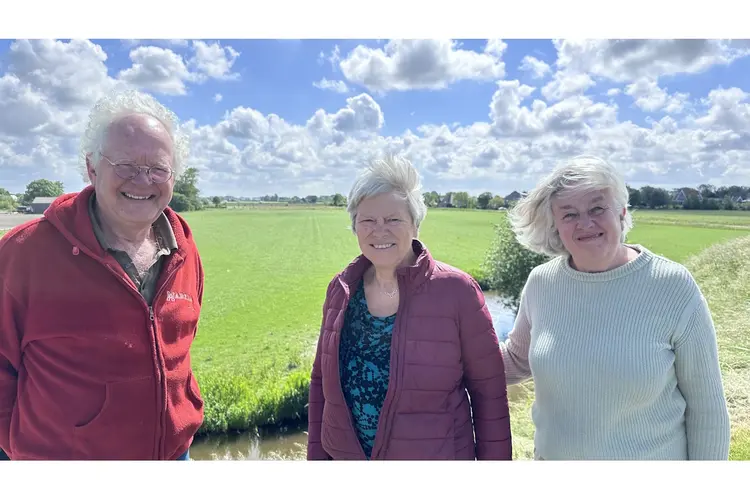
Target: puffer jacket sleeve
{"x": 484, "y": 376}
{"x": 316, "y": 400}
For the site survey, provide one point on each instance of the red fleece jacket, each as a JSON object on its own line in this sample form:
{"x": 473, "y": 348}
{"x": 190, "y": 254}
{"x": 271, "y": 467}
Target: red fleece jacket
{"x": 87, "y": 369}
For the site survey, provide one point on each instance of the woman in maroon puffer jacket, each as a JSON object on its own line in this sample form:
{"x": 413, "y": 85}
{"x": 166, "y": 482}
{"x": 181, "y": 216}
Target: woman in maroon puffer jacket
{"x": 408, "y": 364}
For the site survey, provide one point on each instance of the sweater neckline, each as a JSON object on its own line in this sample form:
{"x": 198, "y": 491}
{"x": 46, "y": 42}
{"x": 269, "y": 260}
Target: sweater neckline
{"x": 644, "y": 257}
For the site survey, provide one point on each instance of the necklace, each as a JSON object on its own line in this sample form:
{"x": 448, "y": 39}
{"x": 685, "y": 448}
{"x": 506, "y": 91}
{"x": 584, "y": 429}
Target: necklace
{"x": 390, "y": 295}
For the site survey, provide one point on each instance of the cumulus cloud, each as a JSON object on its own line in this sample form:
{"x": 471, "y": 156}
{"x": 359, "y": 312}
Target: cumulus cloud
{"x": 650, "y": 97}
{"x": 629, "y": 60}
{"x": 421, "y": 64}
{"x": 157, "y": 69}
{"x": 334, "y": 85}
{"x": 566, "y": 84}
{"x": 164, "y": 71}
{"x": 47, "y": 88}
{"x": 213, "y": 61}
{"x": 535, "y": 67}
{"x": 175, "y": 42}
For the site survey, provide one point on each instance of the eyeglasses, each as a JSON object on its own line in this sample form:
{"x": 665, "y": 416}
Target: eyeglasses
{"x": 129, "y": 171}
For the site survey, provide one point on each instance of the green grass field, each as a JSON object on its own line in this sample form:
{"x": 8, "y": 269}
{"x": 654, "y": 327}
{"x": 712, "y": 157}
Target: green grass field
{"x": 266, "y": 274}
{"x": 267, "y": 271}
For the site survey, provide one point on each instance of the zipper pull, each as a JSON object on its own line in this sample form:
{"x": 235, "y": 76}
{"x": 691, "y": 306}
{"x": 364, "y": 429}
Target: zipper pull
{"x": 151, "y": 312}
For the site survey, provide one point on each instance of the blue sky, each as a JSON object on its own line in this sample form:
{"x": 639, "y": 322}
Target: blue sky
{"x": 664, "y": 112}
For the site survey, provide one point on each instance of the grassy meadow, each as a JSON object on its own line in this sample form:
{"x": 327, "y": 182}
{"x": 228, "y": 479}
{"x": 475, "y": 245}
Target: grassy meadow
{"x": 266, "y": 274}
{"x": 267, "y": 270}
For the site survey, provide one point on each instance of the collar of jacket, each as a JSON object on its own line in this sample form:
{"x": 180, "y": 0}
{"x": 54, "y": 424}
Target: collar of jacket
{"x": 413, "y": 276}
{"x": 69, "y": 214}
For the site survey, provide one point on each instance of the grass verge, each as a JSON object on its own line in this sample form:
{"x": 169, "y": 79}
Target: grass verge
{"x": 723, "y": 272}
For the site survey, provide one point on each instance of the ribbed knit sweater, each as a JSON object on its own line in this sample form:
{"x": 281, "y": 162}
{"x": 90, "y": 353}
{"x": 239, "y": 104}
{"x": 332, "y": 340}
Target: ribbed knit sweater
{"x": 624, "y": 362}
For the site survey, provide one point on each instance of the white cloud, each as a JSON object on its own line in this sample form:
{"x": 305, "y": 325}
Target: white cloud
{"x": 164, "y": 71}
{"x": 334, "y": 85}
{"x": 157, "y": 69}
{"x": 567, "y": 84}
{"x": 421, "y": 64}
{"x": 629, "y": 60}
{"x": 218, "y": 97}
{"x": 650, "y": 97}
{"x": 71, "y": 75}
{"x": 214, "y": 61}
{"x": 729, "y": 110}
{"x": 538, "y": 69}
{"x": 333, "y": 59}
{"x": 47, "y": 88}
{"x": 177, "y": 42}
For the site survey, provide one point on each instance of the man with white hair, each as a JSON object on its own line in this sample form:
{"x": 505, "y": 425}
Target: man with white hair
{"x": 100, "y": 302}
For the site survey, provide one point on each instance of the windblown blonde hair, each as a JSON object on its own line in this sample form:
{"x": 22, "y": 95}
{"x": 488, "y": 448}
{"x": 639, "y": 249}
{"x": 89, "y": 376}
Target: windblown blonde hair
{"x": 532, "y": 219}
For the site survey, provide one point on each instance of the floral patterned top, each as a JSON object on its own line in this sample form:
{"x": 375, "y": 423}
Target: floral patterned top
{"x": 364, "y": 360}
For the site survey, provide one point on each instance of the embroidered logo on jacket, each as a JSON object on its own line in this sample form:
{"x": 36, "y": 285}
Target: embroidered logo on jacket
{"x": 175, "y": 296}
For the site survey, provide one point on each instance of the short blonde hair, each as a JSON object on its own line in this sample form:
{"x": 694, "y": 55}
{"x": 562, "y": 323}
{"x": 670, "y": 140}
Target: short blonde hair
{"x": 393, "y": 174}
{"x": 532, "y": 219}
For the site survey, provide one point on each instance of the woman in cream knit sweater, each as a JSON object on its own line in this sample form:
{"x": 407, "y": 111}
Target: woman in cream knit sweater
{"x": 619, "y": 341}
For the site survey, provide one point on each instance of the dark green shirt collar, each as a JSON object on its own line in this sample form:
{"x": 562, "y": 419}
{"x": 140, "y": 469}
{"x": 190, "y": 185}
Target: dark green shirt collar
{"x": 162, "y": 229}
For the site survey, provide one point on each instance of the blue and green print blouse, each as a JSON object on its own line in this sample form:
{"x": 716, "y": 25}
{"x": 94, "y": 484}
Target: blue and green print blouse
{"x": 364, "y": 358}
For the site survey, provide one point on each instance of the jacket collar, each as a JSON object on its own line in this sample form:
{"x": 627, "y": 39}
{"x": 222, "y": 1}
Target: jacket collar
{"x": 69, "y": 214}
{"x": 414, "y": 276}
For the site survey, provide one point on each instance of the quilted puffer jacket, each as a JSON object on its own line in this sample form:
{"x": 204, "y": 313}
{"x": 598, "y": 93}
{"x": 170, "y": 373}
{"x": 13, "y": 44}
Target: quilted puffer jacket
{"x": 447, "y": 396}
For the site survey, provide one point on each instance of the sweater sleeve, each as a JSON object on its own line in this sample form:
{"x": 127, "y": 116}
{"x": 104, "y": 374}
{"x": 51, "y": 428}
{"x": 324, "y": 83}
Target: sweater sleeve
{"x": 316, "y": 400}
{"x": 699, "y": 380}
{"x": 516, "y": 348}
{"x": 10, "y": 360}
{"x": 484, "y": 376}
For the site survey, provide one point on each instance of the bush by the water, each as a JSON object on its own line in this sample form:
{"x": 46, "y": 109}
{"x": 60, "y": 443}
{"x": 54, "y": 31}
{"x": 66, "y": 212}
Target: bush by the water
{"x": 508, "y": 264}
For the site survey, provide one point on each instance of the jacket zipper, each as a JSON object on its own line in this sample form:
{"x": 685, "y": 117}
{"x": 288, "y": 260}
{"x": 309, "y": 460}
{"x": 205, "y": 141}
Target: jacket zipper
{"x": 162, "y": 375}
{"x": 383, "y": 433}
{"x": 160, "y": 370}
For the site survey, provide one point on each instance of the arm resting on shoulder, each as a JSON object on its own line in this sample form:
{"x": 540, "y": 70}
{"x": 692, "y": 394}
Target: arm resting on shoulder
{"x": 699, "y": 381}
{"x": 484, "y": 376}
{"x": 10, "y": 360}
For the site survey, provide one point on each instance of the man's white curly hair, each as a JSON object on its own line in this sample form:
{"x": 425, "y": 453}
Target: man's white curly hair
{"x": 118, "y": 104}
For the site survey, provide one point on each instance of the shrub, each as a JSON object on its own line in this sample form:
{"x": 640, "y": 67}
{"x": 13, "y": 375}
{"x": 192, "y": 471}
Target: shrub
{"x": 508, "y": 264}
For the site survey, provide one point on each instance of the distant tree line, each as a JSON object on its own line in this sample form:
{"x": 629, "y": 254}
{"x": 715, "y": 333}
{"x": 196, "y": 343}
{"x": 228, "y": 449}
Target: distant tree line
{"x": 187, "y": 197}
{"x": 462, "y": 199}
{"x": 704, "y": 197}
{"x": 336, "y": 200}
{"x": 9, "y": 202}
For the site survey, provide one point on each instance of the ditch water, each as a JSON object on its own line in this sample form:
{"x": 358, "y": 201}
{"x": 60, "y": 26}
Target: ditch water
{"x": 290, "y": 443}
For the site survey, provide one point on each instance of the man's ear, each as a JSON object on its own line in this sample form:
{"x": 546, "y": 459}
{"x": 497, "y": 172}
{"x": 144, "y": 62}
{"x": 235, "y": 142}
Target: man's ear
{"x": 90, "y": 168}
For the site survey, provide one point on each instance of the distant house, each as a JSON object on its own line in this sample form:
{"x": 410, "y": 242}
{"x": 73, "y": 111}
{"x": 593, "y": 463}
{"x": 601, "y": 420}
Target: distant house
{"x": 446, "y": 201}
{"x": 682, "y": 195}
{"x": 40, "y": 203}
{"x": 513, "y": 197}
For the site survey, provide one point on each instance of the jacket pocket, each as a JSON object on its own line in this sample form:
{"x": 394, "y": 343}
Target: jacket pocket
{"x": 124, "y": 428}
{"x": 194, "y": 392}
